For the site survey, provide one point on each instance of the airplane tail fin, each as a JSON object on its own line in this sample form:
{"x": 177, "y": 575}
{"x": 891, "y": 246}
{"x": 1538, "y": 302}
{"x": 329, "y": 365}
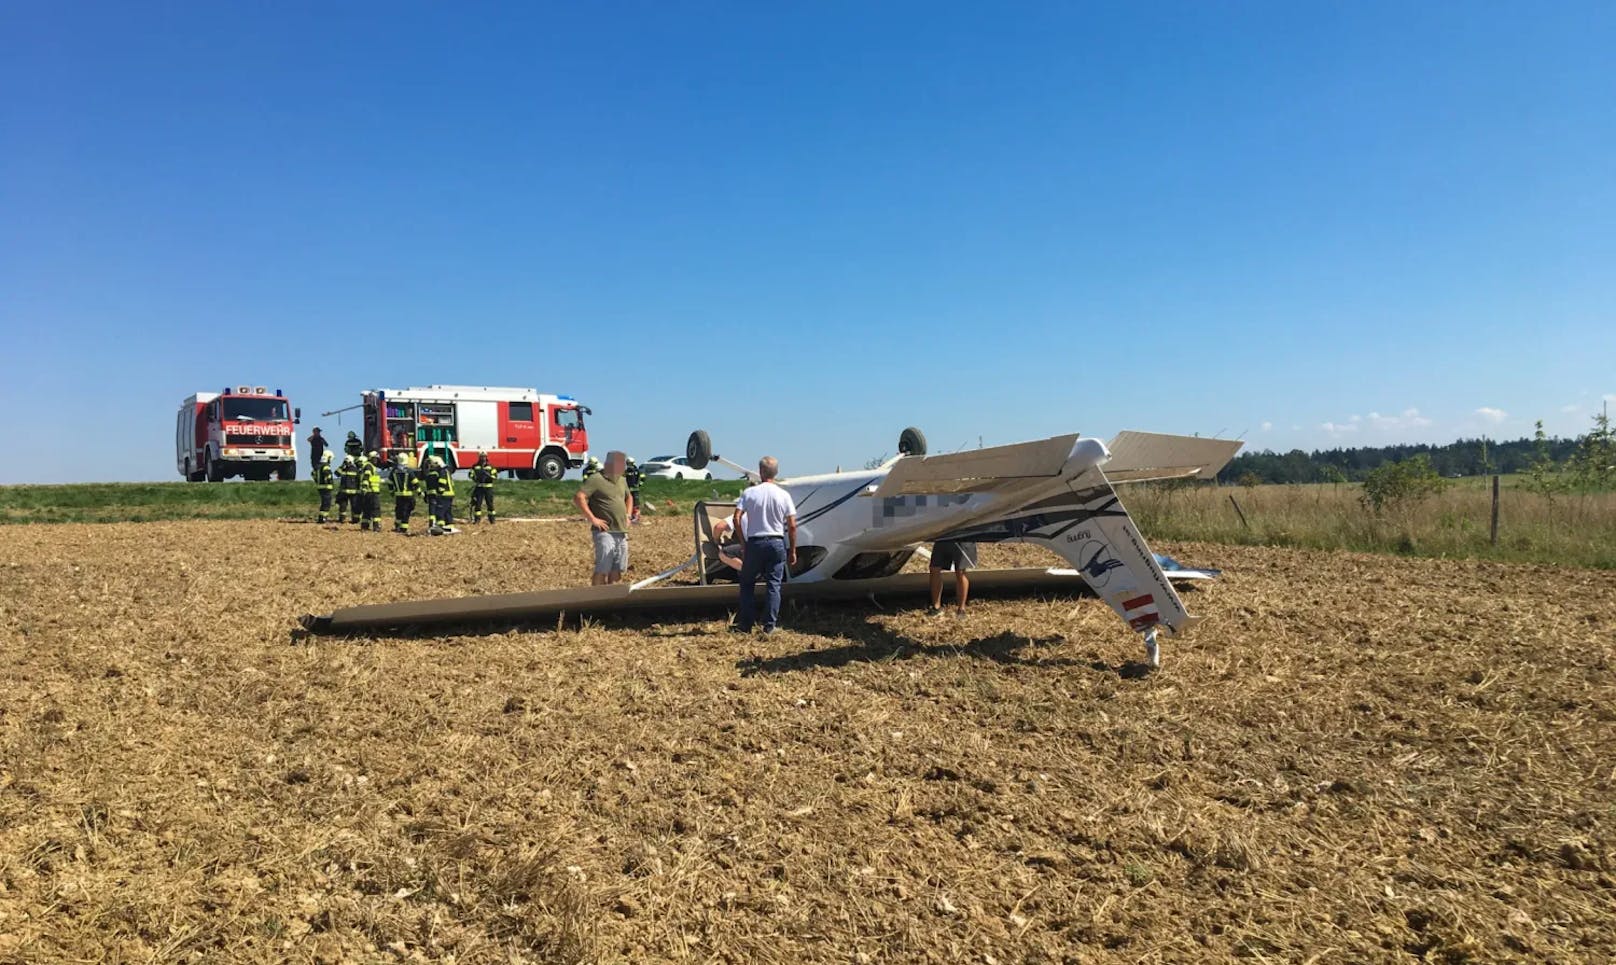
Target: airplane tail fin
{"x": 1089, "y": 527}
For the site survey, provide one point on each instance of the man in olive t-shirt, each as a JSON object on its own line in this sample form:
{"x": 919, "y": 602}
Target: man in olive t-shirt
{"x": 606, "y": 505}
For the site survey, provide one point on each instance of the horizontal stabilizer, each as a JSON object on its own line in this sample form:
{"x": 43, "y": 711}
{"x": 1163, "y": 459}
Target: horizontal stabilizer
{"x": 1144, "y": 456}
{"x": 978, "y": 470}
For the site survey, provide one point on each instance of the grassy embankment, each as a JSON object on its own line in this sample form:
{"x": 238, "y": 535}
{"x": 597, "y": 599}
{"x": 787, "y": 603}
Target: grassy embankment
{"x": 1574, "y": 529}
{"x": 149, "y": 502}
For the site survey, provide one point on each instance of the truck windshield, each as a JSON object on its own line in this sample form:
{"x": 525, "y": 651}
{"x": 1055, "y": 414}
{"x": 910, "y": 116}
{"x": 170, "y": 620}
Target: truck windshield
{"x": 255, "y": 410}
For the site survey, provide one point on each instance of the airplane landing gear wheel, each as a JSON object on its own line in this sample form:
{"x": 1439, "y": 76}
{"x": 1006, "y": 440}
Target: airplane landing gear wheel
{"x": 912, "y": 442}
{"x": 699, "y": 449}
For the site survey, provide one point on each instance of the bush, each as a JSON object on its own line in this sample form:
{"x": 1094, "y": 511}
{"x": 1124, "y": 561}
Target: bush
{"x": 1409, "y": 481}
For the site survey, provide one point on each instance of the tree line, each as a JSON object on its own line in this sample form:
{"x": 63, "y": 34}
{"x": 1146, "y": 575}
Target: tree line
{"x": 1465, "y": 457}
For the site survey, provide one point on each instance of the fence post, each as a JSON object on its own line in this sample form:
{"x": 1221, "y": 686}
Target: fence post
{"x": 1494, "y": 537}
{"x": 1239, "y": 511}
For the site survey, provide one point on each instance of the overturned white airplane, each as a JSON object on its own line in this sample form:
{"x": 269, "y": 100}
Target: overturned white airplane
{"x": 856, "y": 530}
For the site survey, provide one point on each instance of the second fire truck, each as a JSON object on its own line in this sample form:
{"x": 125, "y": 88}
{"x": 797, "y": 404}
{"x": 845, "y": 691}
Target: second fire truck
{"x": 533, "y": 435}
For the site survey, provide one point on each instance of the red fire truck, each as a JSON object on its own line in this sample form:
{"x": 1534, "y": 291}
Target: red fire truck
{"x": 534, "y": 436}
{"x": 245, "y": 431}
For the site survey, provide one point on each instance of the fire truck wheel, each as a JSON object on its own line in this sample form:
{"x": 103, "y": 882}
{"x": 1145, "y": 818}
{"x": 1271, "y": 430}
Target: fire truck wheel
{"x": 288, "y": 472}
{"x": 215, "y": 470}
{"x": 912, "y": 442}
{"x": 699, "y": 449}
{"x": 551, "y": 467}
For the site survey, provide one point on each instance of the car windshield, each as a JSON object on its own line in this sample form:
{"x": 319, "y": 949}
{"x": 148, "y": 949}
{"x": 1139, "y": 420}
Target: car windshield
{"x": 255, "y": 410}
{"x": 661, "y": 459}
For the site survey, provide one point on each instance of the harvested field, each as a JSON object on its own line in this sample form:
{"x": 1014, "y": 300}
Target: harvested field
{"x": 1358, "y": 758}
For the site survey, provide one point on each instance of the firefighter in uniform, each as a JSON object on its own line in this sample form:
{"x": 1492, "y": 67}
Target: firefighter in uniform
{"x": 370, "y": 493}
{"x": 482, "y": 489}
{"x": 631, "y": 475}
{"x": 352, "y": 446}
{"x": 591, "y": 467}
{"x": 439, "y": 488}
{"x": 427, "y": 482}
{"x": 404, "y": 484}
{"x": 347, "y": 489}
{"x": 324, "y": 481}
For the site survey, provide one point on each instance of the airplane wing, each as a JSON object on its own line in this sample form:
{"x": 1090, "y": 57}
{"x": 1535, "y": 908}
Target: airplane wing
{"x": 978, "y": 470}
{"x": 1145, "y": 456}
{"x": 621, "y": 598}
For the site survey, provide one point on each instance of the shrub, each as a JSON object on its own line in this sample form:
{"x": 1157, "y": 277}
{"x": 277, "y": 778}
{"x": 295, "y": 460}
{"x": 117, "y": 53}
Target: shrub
{"x": 1407, "y": 482}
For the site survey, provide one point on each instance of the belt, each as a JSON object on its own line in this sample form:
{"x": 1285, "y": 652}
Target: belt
{"x": 754, "y": 539}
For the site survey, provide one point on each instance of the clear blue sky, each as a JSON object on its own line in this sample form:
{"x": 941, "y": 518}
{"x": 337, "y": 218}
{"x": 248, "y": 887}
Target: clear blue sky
{"x": 806, "y": 226}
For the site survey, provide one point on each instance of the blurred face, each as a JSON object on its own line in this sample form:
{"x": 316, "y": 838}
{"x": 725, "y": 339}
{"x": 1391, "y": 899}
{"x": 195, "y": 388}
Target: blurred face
{"x": 615, "y": 462}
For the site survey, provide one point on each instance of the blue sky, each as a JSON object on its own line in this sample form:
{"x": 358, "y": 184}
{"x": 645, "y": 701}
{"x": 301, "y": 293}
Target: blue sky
{"x": 805, "y": 227}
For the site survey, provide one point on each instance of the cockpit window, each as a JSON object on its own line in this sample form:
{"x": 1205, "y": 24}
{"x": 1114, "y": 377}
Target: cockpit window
{"x": 255, "y": 410}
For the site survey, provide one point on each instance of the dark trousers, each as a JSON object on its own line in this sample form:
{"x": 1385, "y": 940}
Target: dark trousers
{"x": 345, "y": 501}
{"x": 483, "y": 496}
{"x": 403, "y": 509}
{"x": 325, "y": 504}
{"x": 765, "y": 557}
{"x": 371, "y": 503}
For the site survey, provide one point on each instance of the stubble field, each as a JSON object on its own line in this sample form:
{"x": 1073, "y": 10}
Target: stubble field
{"x": 1357, "y": 758}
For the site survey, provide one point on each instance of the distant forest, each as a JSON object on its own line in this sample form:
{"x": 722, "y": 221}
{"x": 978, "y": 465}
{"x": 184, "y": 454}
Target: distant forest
{"x": 1467, "y": 457}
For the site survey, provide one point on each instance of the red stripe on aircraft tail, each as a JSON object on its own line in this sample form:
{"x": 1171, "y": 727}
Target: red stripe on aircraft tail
{"x": 1138, "y": 602}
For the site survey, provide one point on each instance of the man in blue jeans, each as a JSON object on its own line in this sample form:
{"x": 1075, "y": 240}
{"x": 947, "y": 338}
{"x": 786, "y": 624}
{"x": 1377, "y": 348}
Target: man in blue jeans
{"x": 768, "y": 519}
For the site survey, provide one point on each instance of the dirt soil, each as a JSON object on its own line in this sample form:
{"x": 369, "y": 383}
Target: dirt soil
{"x": 1356, "y": 758}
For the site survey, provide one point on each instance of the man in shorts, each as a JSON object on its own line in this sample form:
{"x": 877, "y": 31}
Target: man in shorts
{"x": 956, "y": 555}
{"x": 606, "y": 505}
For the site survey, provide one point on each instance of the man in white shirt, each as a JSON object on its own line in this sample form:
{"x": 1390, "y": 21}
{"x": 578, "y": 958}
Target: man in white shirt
{"x": 768, "y": 520}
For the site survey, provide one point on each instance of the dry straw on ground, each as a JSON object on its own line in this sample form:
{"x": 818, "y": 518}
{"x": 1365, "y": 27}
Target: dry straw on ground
{"x": 1357, "y": 759}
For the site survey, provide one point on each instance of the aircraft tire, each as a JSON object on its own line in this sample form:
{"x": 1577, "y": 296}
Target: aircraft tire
{"x": 699, "y": 449}
{"x": 912, "y": 442}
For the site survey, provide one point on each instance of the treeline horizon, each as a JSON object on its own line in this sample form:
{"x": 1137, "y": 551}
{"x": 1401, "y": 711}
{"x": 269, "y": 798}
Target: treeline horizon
{"x": 1464, "y": 457}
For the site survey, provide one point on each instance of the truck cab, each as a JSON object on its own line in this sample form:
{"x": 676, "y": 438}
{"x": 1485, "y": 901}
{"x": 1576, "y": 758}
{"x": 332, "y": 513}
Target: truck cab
{"x": 243, "y": 431}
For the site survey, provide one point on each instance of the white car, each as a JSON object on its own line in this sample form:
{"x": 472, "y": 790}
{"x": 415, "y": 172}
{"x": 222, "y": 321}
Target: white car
{"x": 671, "y": 467}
